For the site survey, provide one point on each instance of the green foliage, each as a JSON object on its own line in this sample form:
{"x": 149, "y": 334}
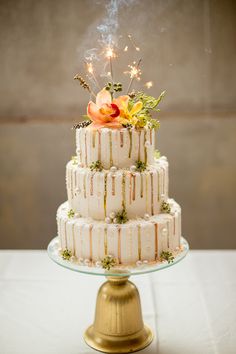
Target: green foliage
{"x": 108, "y": 262}
{"x": 157, "y": 154}
{"x": 71, "y": 213}
{"x": 121, "y": 217}
{"x": 113, "y": 87}
{"x": 74, "y": 160}
{"x": 165, "y": 207}
{"x": 66, "y": 254}
{"x": 167, "y": 256}
{"x": 96, "y": 166}
{"x": 140, "y": 166}
{"x": 149, "y": 106}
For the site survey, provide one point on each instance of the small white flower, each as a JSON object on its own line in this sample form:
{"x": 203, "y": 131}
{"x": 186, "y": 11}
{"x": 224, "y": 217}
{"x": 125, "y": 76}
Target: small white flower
{"x": 145, "y": 261}
{"x": 115, "y": 221}
{"x": 139, "y": 263}
{"x": 146, "y": 217}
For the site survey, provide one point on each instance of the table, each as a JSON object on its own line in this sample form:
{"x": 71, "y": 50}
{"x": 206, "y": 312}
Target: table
{"x": 44, "y": 309}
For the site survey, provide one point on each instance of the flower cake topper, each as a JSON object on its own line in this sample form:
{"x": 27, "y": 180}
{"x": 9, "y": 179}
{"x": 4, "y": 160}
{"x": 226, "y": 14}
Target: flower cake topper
{"x": 130, "y": 110}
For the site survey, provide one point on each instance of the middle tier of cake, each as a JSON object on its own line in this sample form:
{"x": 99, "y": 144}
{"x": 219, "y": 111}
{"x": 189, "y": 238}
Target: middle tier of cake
{"x": 97, "y": 194}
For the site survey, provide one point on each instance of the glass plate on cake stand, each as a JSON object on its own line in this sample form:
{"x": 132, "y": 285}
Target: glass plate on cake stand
{"x": 118, "y": 325}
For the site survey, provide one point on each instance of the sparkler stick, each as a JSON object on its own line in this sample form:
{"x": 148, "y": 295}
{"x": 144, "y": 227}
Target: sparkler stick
{"x": 134, "y": 73}
{"x": 91, "y": 71}
{"x": 110, "y": 54}
{"x": 133, "y": 43}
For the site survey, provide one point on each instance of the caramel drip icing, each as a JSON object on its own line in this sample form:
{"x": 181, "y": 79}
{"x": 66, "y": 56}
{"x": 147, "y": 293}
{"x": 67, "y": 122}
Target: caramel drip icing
{"x": 141, "y": 185}
{"x": 91, "y": 242}
{"x": 99, "y": 145}
{"x": 139, "y": 242}
{"x": 86, "y": 152}
{"x": 130, "y": 188}
{"x": 91, "y": 184}
{"x": 152, "y": 211}
{"x": 130, "y": 143}
{"x": 119, "y": 245}
{"x": 84, "y": 185}
{"x": 156, "y": 241}
{"x": 145, "y": 149}
{"x": 110, "y": 145}
{"x": 73, "y": 240}
{"x": 139, "y": 143}
{"x": 121, "y": 139}
{"x": 105, "y": 241}
{"x": 134, "y": 186}
{"x": 130, "y": 243}
{"x": 113, "y": 188}
{"x": 65, "y": 234}
{"x": 94, "y": 137}
{"x": 151, "y": 136}
{"x": 105, "y": 195}
{"x": 146, "y": 176}
{"x": 123, "y": 190}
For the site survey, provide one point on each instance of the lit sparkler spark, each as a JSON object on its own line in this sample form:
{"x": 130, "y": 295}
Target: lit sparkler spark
{"x": 90, "y": 67}
{"x": 91, "y": 72}
{"x": 133, "y": 43}
{"x": 126, "y": 48}
{"x": 109, "y": 54}
{"x": 148, "y": 84}
{"x": 134, "y": 73}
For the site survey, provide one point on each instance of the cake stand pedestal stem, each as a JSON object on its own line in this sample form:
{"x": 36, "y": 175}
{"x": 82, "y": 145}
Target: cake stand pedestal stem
{"x": 118, "y": 325}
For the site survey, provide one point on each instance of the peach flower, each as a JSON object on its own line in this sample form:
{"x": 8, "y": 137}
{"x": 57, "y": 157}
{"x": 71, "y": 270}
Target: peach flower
{"x": 104, "y": 113}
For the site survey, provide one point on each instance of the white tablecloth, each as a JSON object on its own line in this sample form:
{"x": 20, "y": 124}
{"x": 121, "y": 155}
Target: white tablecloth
{"x": 44, "y": 309}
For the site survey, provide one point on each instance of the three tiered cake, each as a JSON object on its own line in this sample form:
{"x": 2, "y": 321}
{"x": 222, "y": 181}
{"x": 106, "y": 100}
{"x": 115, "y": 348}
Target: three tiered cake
{"x": 118, "y": 204}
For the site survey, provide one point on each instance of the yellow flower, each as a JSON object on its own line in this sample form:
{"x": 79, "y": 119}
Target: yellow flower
{"x": 128, "y": 116}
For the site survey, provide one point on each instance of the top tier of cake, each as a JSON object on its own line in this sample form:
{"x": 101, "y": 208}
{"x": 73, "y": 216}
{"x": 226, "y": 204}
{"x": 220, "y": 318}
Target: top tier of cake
{"x": 115, "y": 147}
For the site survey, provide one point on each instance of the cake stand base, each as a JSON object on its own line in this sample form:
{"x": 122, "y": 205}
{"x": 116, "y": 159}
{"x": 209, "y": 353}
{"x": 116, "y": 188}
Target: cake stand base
{"x": 118, "y": 325}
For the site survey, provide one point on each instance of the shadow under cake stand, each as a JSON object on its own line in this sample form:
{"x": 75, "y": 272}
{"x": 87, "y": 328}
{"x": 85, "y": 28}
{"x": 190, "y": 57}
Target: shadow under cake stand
{"x": 118, "y": 325}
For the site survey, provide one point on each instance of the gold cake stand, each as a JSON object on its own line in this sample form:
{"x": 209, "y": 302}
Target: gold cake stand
{"x": 118, "y": 325}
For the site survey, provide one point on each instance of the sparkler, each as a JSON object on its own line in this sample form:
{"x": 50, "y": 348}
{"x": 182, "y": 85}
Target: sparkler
{"x": 148, "y": 84}
{"x": 133, "y": 43}
{"x": 90, "y": 70}
{"x": 109, "y": 54}
{"x": 134, "y": 73}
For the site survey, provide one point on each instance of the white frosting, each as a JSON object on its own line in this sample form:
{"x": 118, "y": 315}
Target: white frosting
{"x": 115, "y": 147}
{"x": 97, "y": 194}
{"x": 135, "y": 240}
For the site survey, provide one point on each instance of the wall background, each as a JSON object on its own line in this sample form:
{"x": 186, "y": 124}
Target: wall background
{"x": 188, "y": 48}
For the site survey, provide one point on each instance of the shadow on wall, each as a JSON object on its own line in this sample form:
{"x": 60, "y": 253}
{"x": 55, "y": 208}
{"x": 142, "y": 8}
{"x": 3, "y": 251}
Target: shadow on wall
{"x": 187, "y": 48}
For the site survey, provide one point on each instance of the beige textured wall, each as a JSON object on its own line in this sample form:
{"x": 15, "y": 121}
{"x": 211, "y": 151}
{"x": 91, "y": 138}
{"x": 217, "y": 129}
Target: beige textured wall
{"x": 188, "y": 48}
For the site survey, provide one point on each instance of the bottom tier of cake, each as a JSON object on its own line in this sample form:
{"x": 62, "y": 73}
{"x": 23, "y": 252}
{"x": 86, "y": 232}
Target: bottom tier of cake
{"x": 136, "y": 240}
